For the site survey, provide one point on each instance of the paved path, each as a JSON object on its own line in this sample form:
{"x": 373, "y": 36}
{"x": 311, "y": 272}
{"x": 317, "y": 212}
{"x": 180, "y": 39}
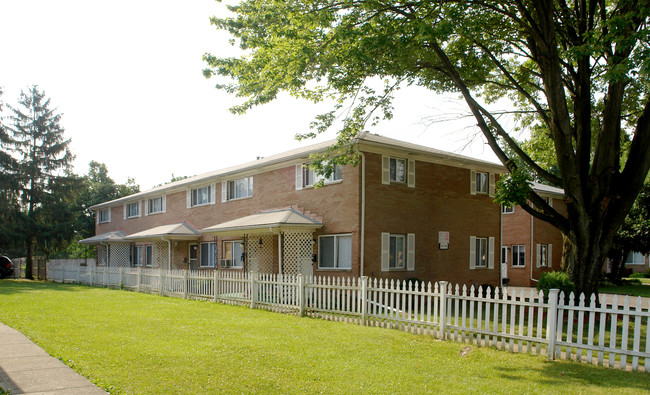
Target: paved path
{"x": 26, "y": 369}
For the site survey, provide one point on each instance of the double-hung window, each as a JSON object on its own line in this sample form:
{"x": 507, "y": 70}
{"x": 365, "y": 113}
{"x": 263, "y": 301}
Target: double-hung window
{"x": 311, "y": 178}
{"x": 481, "y": 252}
{"x": 397, "y": 170}
{"x": 519, "y": 255}
{"x": 481, "y": 183}
{"x": 233, "y": 254}
{"x": 397, "y": 251}
{"x": 335, "y": 252}
{"x": 201, "y": 196}
{"x": 137, "y": 257}
{"x": 237, "y": 189}
{"x": 208, "y": 254}
{"x": 507, "y": 209}
{"x": 148, "y": 254}
{"x": 104, "y": 216}
{"x": 544, "y": 255}
{"x": 155, "y": 205}
{"x": 132, "y": 210}
{"x": 635, "y": 258}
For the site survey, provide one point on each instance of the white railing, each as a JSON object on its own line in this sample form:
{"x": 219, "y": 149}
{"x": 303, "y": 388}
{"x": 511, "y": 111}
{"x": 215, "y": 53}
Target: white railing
{"x": 605, "y": 333}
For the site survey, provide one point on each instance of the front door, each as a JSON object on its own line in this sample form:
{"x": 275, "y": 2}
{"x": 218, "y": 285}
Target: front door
{"x": 194, "y": 255}
{"x": 504, "y": 263}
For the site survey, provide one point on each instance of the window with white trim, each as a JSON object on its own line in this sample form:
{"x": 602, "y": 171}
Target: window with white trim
{"x": 208, "y": 254}
{"x": 137, "y": 257}
{"x": 155, "y": 205}
{"x": 335, "y": 252}
{"x": 543, "y": 255}
{"x": 635, "y": 258}
{"x": 507, "y": 209}
{"x": 311, "y": 178}
{"x": 518, "y": 255}
{"x": 233, "y": 254}
{"x": 201, "y": 196}
{"x": 237, "y": 189}
{"x": 397, "y": 170}
{"x": 104, "y": 216}
{"x": 481, "y": 252}
{"x": 133, "y": 210}
{"x": 397, "y": 251}
{"x": 481, "y": 183}
{"x": 148, "y": 249}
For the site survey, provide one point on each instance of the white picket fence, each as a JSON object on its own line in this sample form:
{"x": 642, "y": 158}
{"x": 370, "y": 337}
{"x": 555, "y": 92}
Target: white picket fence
{"x": 608, "y": 333}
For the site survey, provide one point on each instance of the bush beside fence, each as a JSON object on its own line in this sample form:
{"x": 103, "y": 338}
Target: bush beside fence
{"x": 604, "y": 333}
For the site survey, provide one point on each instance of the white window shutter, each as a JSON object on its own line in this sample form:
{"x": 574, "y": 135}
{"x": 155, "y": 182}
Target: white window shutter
{"x": 125, "y": 211}
{"x": 549, "y": 253}
{"x": 140, "y": 208}
{"x": 491, "y": 187}
{"x": 472, "y": 252}
{"x": 146, "y": 207}
{"x": 385, "y": 250}
{"x": 472, "y": 182}
{"x": 537, "y": 255}
{"x": 411, "y": 173}
{"x": 385, "y": 169}
{"x": 213, "y": 193}
{"x": 250, "y": 184}
{"x": 189, "y": 198}
{"x": 491, "y": 253}
{"x": 410, "y": 251}
{"x": 97, "y": 216}
{"x": 224, "y": 191}
{"x": 298, "y": 177}
{"x": 164, "y": 204}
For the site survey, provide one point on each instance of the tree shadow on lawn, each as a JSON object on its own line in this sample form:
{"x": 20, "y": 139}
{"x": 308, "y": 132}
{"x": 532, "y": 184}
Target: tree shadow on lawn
{"x": 8, "y": 287}
{"x": 563, "y": 372}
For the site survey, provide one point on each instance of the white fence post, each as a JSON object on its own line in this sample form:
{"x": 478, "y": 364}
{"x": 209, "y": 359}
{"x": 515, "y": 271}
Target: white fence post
{"x": 184, "y": 284}
{"x": 79, "y": 274}
{"x": 104, "y": 276}
{"x": 364, "y": 300}
{"x": 160, "y": 281}
{"x": 92, "y": 275}
{"x": 301, "y": 294}
{"x": 139, "y": 280}
{"x": 551, "y": 322}
{"x": 215, "y": 286}
{"x": 121, "y": 277}
{"x": 253, "y": 292}
{"x": 442, "y": 320}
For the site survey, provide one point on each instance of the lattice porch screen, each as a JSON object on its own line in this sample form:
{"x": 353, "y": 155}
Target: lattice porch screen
{"x": 297, "y": 251}
{"x": 260, "y": 257}
{"x": 120, "y": 255}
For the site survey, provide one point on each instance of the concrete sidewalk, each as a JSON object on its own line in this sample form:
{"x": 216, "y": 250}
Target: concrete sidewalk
{"x": 26, "y": 369}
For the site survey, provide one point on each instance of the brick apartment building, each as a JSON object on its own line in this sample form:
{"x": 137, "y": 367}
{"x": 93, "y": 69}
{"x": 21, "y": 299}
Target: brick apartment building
{"x": 405, "y": 211}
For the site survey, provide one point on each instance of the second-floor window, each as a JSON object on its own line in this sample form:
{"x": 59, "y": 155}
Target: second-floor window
{"x": 155, "y": 205}
{"x": 104, "y": 215}
{"x": 237, "y": 189}
{"x": 507, "y": 209}
{"x": 133, "y": 210}
{"x": 202, "y": 196}
{"x": 397, "y": 170}
{"x": 311, "y": 178}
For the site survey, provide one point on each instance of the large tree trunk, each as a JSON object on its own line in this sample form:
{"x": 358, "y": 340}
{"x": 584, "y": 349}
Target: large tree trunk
{"x": 29, "y": 260}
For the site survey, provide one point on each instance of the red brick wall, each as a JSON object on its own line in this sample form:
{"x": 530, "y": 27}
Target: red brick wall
{"x": 440, "y": 201}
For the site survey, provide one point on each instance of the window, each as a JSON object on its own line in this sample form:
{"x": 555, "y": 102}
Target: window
{"x": 481, "y": 182}
{"x": 148, "y": 254}
{"x": 237, "y": 189}
{"x": 136, "y": 256}
{"x": 155, "y": 205}
{"x": 132, "y": 210}
{"x": 635, "y": 258}
{"x": 544, "y": 255}
{"x": 208, "y": 254}
{"x": 233, "y": 254}
{"x": 397, "y": 170}
{"x": 335, "y": 252}
{"x": 201, "y": 196}
{"x": 507, "y": 209}
{"x": 397, "y": 251}
{"x": 309, "y": 178}
{"x": 519, "y": 255}
{"x": 481, "y": 252}
{"x": 104, "y": 216}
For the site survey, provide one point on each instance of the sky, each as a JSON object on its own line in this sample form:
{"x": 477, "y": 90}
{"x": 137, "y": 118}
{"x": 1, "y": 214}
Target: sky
{"x": 126, "y": 77}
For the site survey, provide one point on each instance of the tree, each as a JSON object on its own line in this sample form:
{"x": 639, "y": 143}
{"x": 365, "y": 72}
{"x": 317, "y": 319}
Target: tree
{"x": 576, "y": 71}
{"x": 42, "y": 158}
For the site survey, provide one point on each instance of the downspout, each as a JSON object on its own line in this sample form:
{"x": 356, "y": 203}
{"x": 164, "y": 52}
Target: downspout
{"x": 501, "y": 245}
{"x": 532, "y": 244}
{"x": 363, "y": 214}
{"x": 169, "y": 251}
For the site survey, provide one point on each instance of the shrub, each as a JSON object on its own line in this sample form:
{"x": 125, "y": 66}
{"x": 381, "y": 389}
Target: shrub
{"x": 640, "y": 275}
{"x": 559, "y": 280}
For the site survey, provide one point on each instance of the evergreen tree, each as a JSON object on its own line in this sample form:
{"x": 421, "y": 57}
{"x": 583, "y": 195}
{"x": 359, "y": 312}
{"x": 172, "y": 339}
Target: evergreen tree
{"x": 43, "y": 157}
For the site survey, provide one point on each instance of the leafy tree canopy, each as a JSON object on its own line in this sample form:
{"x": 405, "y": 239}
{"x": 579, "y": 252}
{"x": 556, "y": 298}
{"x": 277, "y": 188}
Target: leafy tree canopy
{"x": 576, "y": 72}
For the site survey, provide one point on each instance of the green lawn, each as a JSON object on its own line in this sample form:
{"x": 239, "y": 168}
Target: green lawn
{"x": 633, "y": 287}
{"x": 135, "y": 343}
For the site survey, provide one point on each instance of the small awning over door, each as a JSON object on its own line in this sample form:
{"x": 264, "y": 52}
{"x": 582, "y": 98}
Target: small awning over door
{"x": 267, "y": 222}
{"x": 178, "y": 231}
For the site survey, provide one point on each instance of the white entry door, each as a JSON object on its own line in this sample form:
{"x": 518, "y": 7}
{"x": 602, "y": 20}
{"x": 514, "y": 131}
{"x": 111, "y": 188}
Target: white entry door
{"x": 504, "y": 263}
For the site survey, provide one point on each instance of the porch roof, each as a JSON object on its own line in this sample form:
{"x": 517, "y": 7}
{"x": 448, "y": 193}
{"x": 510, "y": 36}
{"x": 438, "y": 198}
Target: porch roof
{"x": 177, "y": 231}
{"x": 115, "y": 236}
{"x": 264, "y": 223}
